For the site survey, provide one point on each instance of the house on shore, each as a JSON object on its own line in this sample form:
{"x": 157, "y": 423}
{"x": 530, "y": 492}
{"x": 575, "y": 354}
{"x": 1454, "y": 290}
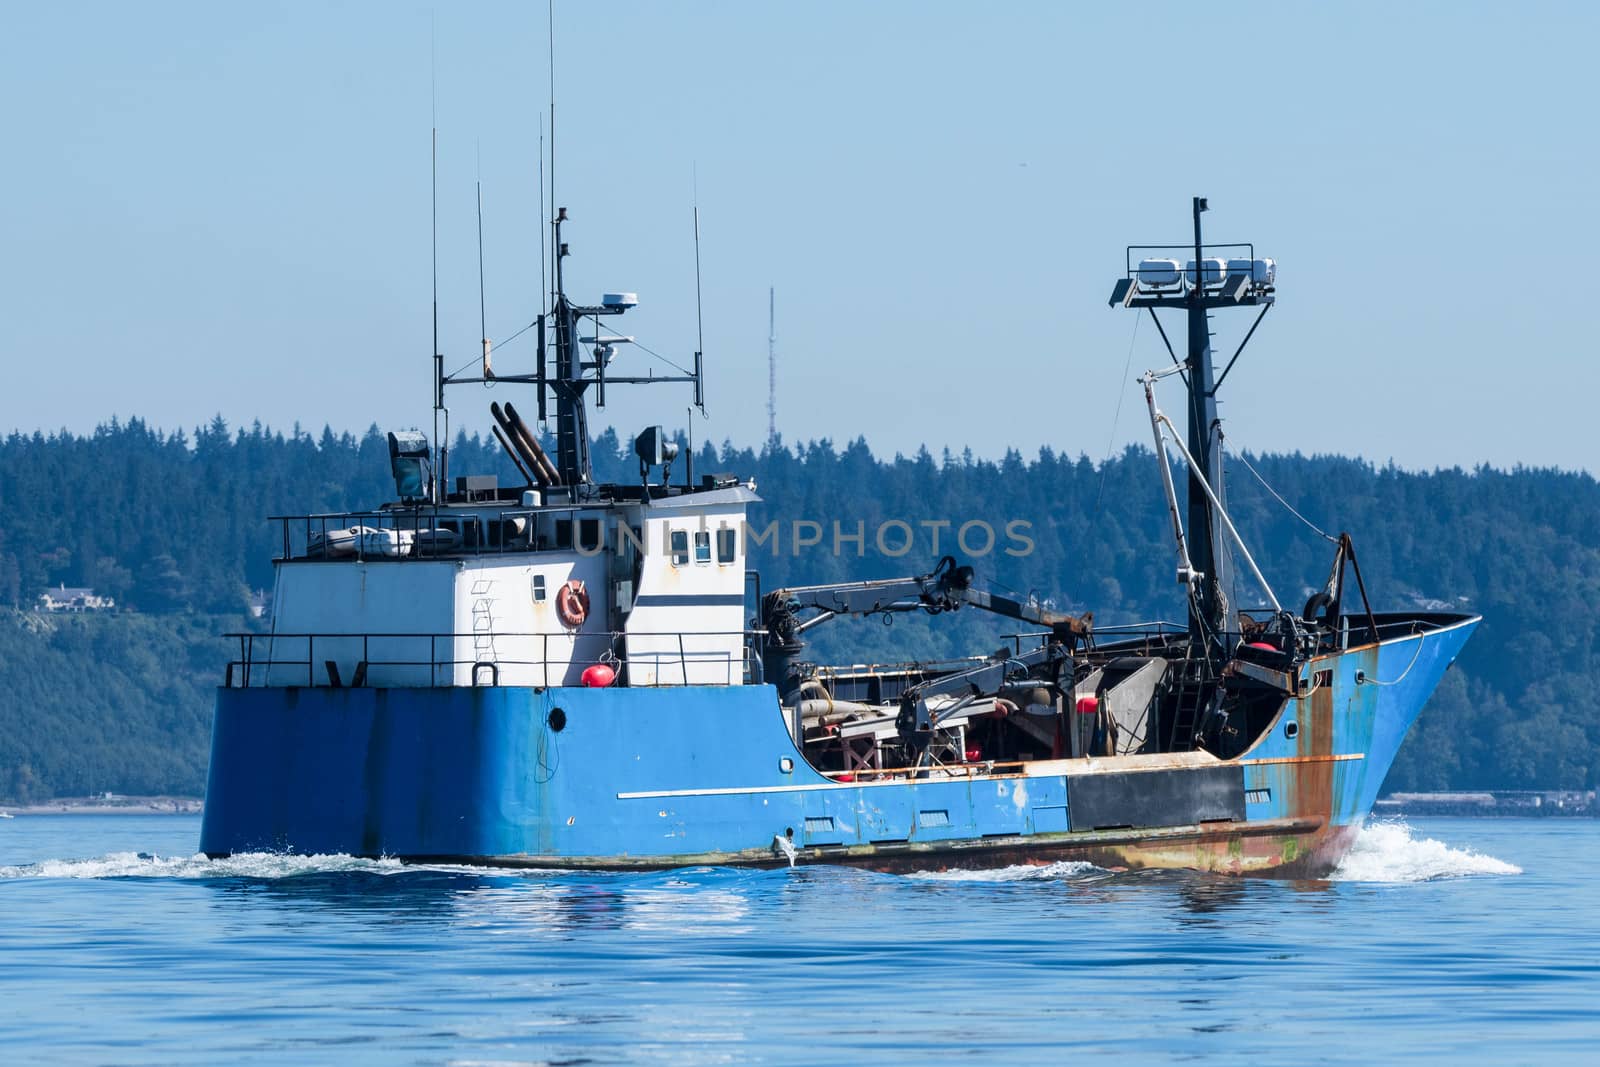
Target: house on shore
{"x": 80, "y": 600}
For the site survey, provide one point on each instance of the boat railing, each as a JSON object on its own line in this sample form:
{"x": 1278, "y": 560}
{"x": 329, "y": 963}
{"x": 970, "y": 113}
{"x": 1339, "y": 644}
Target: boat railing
{"x": 436, "y": 660}
{"x": 424, "y": 532}
{"x": 1147, "y": 638}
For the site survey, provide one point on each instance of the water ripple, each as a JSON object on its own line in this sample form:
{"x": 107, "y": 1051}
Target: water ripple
{"x": 1428, "y": 944}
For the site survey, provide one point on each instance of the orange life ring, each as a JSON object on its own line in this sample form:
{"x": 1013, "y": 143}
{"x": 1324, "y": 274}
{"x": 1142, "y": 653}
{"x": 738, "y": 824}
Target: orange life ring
{"x": 572, "y": 603}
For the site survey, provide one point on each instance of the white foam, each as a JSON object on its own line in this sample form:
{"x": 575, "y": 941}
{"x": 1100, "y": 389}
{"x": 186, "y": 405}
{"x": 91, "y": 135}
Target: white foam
{"x": 1019, "y": 873}
{"x": 1387, "y": 852}
{"x": 244, "y": 865}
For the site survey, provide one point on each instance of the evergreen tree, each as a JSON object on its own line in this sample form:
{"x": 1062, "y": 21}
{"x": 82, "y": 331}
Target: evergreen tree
{"x": 175, "y": 527}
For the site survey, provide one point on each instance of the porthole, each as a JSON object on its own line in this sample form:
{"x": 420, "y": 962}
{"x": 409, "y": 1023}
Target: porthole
{"x": 558, "y": 720}
{"x": 1291, "y": 729}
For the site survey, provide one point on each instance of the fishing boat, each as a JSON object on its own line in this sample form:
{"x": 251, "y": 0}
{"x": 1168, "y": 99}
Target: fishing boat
{"x": 562, "y": 673}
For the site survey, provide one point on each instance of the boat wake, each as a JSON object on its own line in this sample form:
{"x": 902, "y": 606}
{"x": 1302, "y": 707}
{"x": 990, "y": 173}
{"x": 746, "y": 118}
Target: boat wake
{"x": 261, "y": 865}
{"x": 1048, "y": 872}
{"x": 1388, "y": 852}
{"x": 1383, "y": 852}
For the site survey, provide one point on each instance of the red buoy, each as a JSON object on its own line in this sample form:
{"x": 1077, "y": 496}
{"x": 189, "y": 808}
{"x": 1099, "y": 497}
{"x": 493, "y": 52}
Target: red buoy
{"x": 974, "y": 755}
{"x": 1088, "y": 705}
{"x": 1263, "y": 646}
{"x": 599, "y": 676}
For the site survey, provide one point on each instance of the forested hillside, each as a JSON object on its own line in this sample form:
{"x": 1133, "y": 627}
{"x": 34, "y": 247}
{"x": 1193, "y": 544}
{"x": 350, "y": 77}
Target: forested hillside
{"x": 173, "y": 526}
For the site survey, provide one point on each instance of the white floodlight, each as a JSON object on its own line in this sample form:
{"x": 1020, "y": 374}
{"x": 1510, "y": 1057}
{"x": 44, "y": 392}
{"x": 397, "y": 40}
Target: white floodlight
{"x": 1263, "y": 272}
{"x": 1212, "y": 270}
{"x": 1159, "y": 273}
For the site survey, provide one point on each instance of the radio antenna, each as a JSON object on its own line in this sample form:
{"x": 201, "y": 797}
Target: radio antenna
{"x": 438, "y": 357}
{"x": 440, "y": 443}
{"x": 544, "y": 292}
{"x": 699, "y": 321}
{"x": 483, "y": 320}
{"x": 554, "y": 251}
{"x": 772, "y": 365}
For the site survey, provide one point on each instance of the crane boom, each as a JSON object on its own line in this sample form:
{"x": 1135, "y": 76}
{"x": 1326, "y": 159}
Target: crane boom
{"x": 786, "y": 614}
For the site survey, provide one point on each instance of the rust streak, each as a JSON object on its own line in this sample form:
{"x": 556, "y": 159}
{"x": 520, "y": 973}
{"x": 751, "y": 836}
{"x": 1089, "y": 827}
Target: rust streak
{"x": 1311, "y": 789}
{"x": 1305, "y": 759}
{"x": 1279, "y": 848}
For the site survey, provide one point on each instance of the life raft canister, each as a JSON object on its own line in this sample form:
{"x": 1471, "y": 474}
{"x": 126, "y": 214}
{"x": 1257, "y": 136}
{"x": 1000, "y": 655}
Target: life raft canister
{"x": 572, "y": 604}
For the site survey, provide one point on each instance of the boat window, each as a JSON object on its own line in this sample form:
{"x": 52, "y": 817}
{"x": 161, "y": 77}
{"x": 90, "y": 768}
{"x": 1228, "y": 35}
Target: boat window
{"x": 538, "y": 588}
{"x": 702, "y": 546}
{"x": 503, "y": 532}
{"x": 563, "y": 533}
{"x": 727, "y": 544}
{"x": 589, "y": 535}
{"x": 680, "y": 548}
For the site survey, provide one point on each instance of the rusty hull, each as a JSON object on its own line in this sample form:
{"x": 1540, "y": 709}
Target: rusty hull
{"x": 636, "y": 779}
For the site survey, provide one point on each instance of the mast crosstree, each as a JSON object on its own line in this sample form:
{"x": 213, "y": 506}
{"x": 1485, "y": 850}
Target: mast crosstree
{"x": 567, "y": 366}
{"x": 1210, "y": 277}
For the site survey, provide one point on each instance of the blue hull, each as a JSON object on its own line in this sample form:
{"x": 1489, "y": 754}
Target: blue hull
{"x": 638, "y": 778}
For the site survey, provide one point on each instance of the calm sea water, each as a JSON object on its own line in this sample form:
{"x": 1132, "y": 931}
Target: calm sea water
{"x": 1444, "y": 941}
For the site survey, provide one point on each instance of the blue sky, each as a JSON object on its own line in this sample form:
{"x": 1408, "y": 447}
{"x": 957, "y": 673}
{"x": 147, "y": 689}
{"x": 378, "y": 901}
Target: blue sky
{"x": 225, "y": 208}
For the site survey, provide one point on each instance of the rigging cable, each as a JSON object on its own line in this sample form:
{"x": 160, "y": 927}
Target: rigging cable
{"x": 1112, "y": 440}
{"x": 497, "y": 344}
{"x": 664, "y": 359}
{"x": 531, "y": 325}
{"x": 1228, "y": 546}
{"x": 519, "y": 333}
{"x": 1320, "y": 532}
{"x": 1414, "y": 657}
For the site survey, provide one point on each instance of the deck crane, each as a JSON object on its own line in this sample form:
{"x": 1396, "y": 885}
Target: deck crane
{"x": 948, "y": 587}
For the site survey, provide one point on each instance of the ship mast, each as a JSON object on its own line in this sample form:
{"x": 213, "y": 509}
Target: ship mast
{"x": 567, "y": 368}
{"x": 1209, "y": 610}
{"x": 558, "y": 342}
{"x": 572, "y": 424}
{"x": 1215, "y": 277}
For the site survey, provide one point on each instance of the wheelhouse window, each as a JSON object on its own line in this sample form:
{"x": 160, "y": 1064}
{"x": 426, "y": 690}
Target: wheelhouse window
{"x": 727, "y": 545}
{"x": 702, "y": 546}
{"x": 680, "y": 548}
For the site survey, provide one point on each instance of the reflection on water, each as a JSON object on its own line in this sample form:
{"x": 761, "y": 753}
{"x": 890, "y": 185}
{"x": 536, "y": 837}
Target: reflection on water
{"x": 676, "y": 906}
{"x": 710, "y": 902}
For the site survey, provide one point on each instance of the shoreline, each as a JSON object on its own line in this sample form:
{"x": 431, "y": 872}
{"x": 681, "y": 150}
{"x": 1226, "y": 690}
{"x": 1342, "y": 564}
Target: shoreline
{"x": 117, "y": 806}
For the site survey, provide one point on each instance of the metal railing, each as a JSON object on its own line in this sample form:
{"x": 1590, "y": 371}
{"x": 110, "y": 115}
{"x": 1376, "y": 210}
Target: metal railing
{"x": 433, "y": 660}
{"x": 427, "y": 532}
{"x": 1149, "y": 637}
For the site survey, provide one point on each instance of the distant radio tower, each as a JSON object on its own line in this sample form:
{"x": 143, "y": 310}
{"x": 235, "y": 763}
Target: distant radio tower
{"x": 772, "y": 364}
